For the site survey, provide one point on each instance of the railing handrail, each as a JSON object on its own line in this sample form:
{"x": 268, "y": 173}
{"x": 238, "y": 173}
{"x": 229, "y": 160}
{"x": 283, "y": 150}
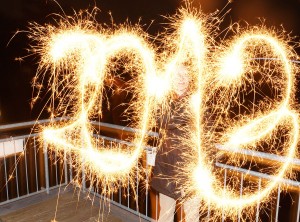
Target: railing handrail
{"x": 289, "y": 184}
{"x": 28, "y": 124}
{"x": 108, "y": 127}
{"x": 104, "y": 126}
{"x": 261, "y": 156}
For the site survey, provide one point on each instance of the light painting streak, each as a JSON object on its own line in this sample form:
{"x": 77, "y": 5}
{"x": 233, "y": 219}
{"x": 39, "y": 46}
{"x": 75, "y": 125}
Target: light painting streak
{"x": 248, "y": 131}
{"x": 79, "y": 56}
{"x": 83, "y": 58}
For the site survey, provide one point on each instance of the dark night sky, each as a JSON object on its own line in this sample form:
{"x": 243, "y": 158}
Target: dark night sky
{"x": 15, "y": 76}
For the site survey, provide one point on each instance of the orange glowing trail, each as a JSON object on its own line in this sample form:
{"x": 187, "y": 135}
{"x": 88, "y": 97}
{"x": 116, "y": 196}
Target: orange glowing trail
{"x": 251, "y": 131}
{"x": 81, "y": 57}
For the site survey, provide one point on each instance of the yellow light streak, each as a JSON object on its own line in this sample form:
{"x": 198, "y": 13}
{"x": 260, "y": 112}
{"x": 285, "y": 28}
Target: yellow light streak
{"x": 249, "y": 130}
{"x": 82, "y": 57}
{"x": 79, "y": 57}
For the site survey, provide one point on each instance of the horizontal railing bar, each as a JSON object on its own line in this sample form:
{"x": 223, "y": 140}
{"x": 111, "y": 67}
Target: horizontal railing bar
{"x": 23, "y": 125}
{"x": 263, "y": 156}
{"x": 108, "y": 126}
{"x": 294, "y": 184}
{"x": 104, "y": 126}
{"x": 149, "y": 148}
{"x": 11, "y": 138}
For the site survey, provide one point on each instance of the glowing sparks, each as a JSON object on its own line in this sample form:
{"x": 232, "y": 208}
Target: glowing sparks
{"x": 265, "y": 120}
{"x": 82, "y": 58}
{"x": 232, "y": 68}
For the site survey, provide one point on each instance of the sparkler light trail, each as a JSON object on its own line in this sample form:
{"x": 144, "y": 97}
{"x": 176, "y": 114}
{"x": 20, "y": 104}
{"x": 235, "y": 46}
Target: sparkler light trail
{"x": 80, "y": 57}
{"x": 250, "y": 100}
{"x": 261, "y": 125}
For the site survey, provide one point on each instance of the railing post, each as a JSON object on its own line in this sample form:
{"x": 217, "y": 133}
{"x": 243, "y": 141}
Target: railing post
{"x": 258, "y": 202}
{"x": 26, "y": 170}
{"x": 46, "y": 167}
{"x": 277, "y": 205}
{"x": 5, "y": 174}
{"x": 82, "y": 167}
{"x": 83, "y": 176}
{"x": 35, "y": 165}
{"x": 241, "y": 194}
{"x": 65, "y": 166}
{"x": 16, "y": 169}
{"x": 225, "y": 178}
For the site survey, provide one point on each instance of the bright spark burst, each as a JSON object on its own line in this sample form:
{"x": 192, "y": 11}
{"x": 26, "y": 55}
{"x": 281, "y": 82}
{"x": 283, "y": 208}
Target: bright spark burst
{"x": 226, "y": 103}
{"x": 261, "y": 125}
{"x": 80, "y": 61}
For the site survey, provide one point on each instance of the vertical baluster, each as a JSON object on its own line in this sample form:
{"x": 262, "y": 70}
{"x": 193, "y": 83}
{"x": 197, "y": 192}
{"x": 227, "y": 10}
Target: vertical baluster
{"x": 55, "y": 164}
{"x": 26, "y": 171}
{"x": 147, "y": 187}
{"x": 5, "y": 174}
{"x": 46, "y": 167}
{"x": 35, "y": 164}
{"x": 277, "y": 205}
{"x": 298, "y": 210}
{"x": 225, "y": 178}
{"x": 258, "y": 202}
{"x": 16, "y": 169}
{"x": 241, "y": 193}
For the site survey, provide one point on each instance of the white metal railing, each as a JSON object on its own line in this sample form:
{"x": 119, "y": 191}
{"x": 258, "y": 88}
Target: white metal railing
{"x": 20, "y": 178}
